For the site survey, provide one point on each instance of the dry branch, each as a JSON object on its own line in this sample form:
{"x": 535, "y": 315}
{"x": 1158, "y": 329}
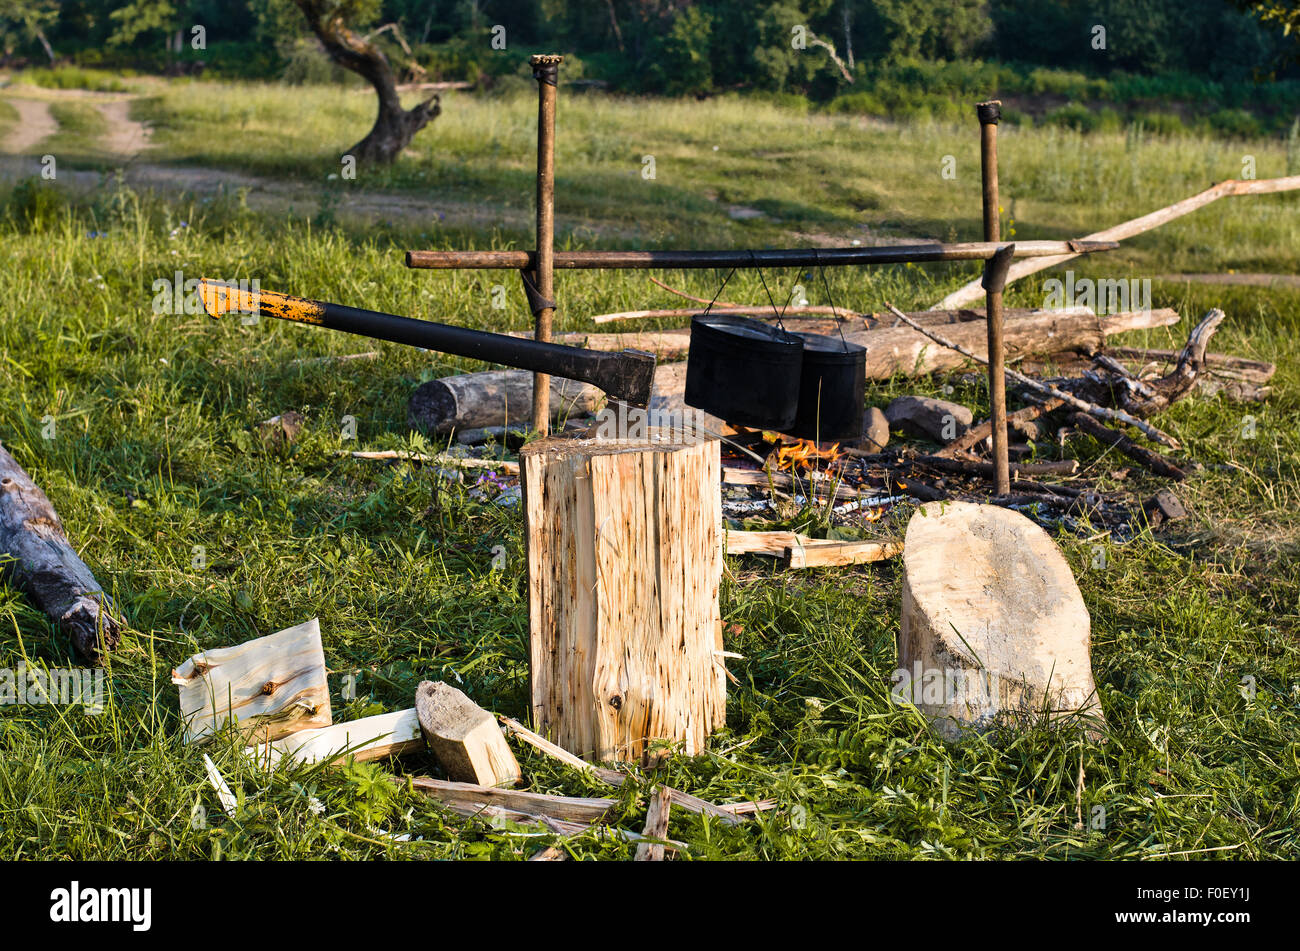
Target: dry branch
{"x": 1154, "y": 461}
{"x": 975, "y": 290}
{"x": 1091, "y": 408}
{"x": 47, "y": 567}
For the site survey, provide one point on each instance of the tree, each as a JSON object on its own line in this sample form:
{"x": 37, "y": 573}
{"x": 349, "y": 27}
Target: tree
{"x": 332, "y": 22}
{"x": 27, "y": 20}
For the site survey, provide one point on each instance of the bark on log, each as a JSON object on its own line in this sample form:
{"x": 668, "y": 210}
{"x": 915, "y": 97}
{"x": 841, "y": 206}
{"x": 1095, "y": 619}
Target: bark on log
{"x": 905, "y": 351}
{"x": 493, "y": 398}
{"x": 47, "y": 567}
{"x": 624, "y": 563}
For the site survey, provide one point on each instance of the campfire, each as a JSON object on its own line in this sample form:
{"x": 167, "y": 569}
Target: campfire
{"x": 804, "y": 454}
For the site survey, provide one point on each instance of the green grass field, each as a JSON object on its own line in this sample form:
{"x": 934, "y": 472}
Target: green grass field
{"x": 154, "y": 456}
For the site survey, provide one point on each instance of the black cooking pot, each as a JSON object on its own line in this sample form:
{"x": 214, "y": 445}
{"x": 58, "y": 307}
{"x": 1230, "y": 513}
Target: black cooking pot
{"x": 744, "y": 371}
{"x": 832, "y": 389}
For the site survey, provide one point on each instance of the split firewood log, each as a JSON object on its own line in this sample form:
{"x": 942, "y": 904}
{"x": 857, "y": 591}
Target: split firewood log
{"x": 47, "y": 567}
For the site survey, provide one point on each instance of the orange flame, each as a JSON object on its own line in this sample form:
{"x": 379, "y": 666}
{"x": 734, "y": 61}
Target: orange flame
{"x": 805, "y": 454}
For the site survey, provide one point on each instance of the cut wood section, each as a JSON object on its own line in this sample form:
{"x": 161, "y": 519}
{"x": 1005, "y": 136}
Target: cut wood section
{"x": 656, "y": 827}
{"x": 994, "y": 629}
{"x": 47, "y": 568}
{"x": 493, "y": 398}
{"x": 1128, "y": 229}
{"x": 270, "y": 687}
{"x": 370, "y": 738}
{"x": 834, "y": 554}
{"x": 624, "y": 563}
{"x": 469, "y": 799}
{"x": 464, "y": 737}
{"x": 802, "y": 551}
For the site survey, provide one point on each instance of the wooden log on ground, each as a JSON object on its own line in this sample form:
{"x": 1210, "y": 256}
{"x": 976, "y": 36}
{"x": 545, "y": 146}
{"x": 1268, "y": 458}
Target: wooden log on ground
{"x": 903, "y": 350}
{"x": 47, "y": 568}
{"x": 1154, "y": 461}
{"x": 624, "y": 562}
{"x": 994, "y": 629}
{"x": 464, "y": 737}
{"x": 493, "y": 398}
{"x": 370, "y": 738}
{"x": 269, "y": 687}
{"x": 656, "y": 827}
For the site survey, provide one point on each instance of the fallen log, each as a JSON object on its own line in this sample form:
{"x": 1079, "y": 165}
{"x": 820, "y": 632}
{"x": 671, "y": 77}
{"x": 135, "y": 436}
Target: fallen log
{"x": 47, "y": 568}
{"x": 907, "y": 351}
{"x": 1154, "y": 461}
{"x": 1253, "y": 371}
{"x": 493, "y": 398}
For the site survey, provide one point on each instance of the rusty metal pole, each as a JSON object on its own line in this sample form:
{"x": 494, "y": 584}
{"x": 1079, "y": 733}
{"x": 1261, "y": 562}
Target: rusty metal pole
{"x": 989, "y": 113}
{"x": 546, "y": 70}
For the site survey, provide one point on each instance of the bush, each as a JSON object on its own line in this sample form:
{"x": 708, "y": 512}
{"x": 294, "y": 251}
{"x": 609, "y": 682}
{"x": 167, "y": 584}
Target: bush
{"x": 1074, "y": 115}
{"x": 72, "y": 77}
{"x": 1165, "y": 124}
{"x": 34, "y": 205}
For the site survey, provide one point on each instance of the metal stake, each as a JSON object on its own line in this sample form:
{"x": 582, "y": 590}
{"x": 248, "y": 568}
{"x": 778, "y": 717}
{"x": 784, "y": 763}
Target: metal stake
{"x": 546, "y": 69}
{"x": 989, "y": 113}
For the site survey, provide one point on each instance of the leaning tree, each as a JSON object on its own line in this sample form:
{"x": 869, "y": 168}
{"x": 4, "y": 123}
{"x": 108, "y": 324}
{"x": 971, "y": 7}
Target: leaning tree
{"x": 394, "y": 126}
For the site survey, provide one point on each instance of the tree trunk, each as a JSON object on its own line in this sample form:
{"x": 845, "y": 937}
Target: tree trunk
{"x": 394, "y": 126}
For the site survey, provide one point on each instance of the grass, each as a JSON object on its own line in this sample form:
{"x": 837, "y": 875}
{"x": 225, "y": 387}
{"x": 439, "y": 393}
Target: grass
{"x": 155, "y": 458}
{"x": 863, "y": 178}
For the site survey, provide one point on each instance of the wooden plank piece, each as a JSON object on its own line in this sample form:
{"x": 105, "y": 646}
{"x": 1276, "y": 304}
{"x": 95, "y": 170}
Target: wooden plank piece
{"x": 656, "y": 826}
{"x": 270, "y": 686}
{"x": 464, "y": 737}
{"x": 370, "y": 738}
{"x": 470, "y": 798}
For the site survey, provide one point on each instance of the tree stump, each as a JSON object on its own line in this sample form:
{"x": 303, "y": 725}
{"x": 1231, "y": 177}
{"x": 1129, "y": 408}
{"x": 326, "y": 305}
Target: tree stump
{"x": 624, "y": 562}
{"x": 994, "y": 629}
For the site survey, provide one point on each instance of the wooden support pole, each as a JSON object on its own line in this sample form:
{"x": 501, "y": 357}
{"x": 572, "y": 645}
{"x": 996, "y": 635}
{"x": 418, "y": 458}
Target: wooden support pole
{"x": 624, "y": 554}
{"x": 546, "y": 70}
{"x": 989, "y": 113}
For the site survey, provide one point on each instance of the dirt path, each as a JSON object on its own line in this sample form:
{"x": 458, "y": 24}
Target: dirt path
{"x": 1250, "y": 280}
{"x": 126, "y": 137}
{"x": 35, "y": 124}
